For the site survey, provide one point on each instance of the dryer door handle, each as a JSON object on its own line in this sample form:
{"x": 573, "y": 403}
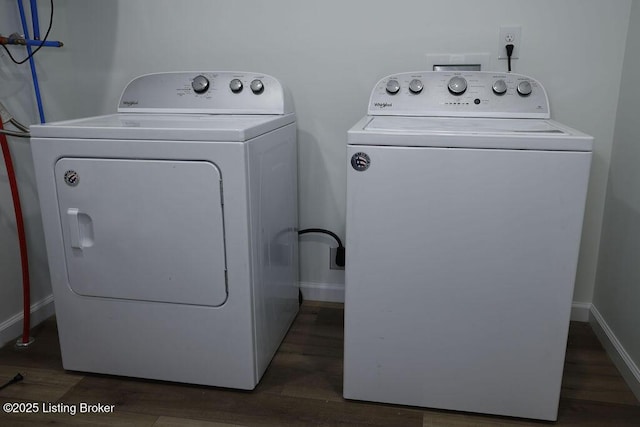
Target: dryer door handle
{"x": 80, "y": 229}
{"x": 74, "y": 228}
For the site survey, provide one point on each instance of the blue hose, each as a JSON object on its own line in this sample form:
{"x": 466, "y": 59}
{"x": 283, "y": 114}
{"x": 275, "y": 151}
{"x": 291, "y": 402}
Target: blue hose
{"x": 32, "y": 64}
{"x": 34, "y": 19}
{"x": 46, "y": 43}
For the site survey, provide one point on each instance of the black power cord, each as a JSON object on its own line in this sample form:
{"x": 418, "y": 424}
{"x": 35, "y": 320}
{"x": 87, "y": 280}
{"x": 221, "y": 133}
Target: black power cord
{"x": 509, "y": 48}
{"x": 13, "y": 380}
{"x": 340, "y": 252}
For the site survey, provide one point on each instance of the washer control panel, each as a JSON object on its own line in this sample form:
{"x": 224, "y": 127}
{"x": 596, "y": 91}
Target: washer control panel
{"x": 459, "y": 94}
{"x": 212, "y": 92}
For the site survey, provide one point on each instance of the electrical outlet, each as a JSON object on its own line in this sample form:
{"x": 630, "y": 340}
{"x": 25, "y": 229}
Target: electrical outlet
{"x": 332, "y": 260}
{"x": 508, "y": 35}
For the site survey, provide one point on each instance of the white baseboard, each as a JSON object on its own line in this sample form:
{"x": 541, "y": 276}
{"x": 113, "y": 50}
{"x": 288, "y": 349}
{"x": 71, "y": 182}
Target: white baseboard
{"x": 11, "y": 328}
{"x": 625, "y": 364}
{"x": 330, "y": 292}
{"x": 334, "y": 292}
{"x": 580, "y": 311}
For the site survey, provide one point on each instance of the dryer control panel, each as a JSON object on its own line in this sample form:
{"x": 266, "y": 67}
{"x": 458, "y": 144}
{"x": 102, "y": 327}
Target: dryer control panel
{"x": 207, "y": 92}
{"x": 459, "y": 94}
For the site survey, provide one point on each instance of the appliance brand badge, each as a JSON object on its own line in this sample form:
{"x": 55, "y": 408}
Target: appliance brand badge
{"x": 130, "y": 103}
{"x": 72, "y": 178}
{"x": 383, "y": 104}
{"x": 360, "y": 161}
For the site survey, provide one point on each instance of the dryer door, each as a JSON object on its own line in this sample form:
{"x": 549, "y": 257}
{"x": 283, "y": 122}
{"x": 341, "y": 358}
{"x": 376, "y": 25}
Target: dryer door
{"x": 149, "y": 230}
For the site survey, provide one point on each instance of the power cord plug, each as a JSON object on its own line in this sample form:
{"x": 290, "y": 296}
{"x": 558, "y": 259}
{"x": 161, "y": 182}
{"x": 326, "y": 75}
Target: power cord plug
{"x": 509, "y": 48}
{"x": 340, "y": 256}
{"x": 13, "y": 380}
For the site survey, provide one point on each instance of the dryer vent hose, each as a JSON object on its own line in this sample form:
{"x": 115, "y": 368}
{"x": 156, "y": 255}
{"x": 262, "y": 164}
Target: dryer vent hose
{"x": 26, "y": 288}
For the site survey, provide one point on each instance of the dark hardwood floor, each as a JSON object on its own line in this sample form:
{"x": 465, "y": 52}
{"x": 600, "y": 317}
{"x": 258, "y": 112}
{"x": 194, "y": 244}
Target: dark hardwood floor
{"x": 302, "y": 387}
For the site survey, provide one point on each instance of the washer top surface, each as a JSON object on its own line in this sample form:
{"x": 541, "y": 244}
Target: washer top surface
{"x": 463, "y": 125}
{"x": 186, "y": 106}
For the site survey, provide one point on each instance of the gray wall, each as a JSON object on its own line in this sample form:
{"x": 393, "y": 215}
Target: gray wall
{"x": 329, "y": 53}
{"x": 617, "y": 292}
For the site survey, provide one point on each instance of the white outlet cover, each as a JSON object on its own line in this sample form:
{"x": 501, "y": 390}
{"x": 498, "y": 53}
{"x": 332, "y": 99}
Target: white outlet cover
{"x": 506, "y": 35}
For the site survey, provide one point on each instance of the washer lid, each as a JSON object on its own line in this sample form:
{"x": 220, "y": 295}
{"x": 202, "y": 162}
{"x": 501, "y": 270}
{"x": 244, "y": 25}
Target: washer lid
{"x": 172, "y": 127}
{"x": 523, "y": 134}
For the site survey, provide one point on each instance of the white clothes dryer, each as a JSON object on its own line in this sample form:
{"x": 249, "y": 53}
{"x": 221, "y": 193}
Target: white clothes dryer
{"x": 171, "y": 228}
{"x": 465, "y": 205}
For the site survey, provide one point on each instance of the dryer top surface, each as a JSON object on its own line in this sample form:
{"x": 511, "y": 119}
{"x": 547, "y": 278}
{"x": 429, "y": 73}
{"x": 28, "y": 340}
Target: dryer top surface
{"x": 173, "y": 127}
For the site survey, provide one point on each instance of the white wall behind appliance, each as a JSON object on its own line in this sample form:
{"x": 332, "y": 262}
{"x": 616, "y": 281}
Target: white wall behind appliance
{"x": 16, "y": 93}
{"x": 617, "y": 293}
{"x": 330, "y": 54}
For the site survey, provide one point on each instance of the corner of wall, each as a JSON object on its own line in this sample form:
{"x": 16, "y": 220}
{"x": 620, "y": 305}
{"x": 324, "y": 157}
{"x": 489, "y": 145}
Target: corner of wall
{"x": 12, "y": 327}
{"x": 621, "y": 359}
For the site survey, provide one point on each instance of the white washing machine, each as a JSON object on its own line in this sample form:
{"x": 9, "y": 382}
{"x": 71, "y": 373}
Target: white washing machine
{"x": 465, "y": 205}
{"x": 171, "y": 228}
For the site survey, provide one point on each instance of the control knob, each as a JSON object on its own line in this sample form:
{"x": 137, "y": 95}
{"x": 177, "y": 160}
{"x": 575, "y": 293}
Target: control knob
{"x": 499, "y": 87}
{"x": 524, "y": 88}
{"x": 416, "y": 86}
{"x": 457, "y": 85}
{"x": 200, "y": 84}
{"x": 235, "y": 85}
{"x": 393, "y": 87}
{"x": 257, "y": 87}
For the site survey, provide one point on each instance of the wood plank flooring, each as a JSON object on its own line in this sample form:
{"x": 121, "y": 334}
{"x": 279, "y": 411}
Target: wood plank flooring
{"x": 302, "y": 387}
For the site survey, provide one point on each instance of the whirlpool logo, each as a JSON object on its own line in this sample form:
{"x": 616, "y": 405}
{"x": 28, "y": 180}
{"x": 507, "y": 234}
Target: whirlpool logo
{"x": 383, "y": 104}
{"x": 360, "y": 161}
{"x": 130, "y": 103}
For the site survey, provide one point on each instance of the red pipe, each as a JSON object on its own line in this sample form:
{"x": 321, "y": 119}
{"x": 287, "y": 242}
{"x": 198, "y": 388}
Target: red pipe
{"x": 26, "y": 287}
